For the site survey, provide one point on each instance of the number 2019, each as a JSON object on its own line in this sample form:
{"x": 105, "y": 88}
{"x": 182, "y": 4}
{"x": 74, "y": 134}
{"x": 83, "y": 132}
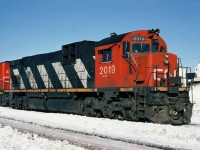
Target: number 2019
{"x": 107, "y": 70}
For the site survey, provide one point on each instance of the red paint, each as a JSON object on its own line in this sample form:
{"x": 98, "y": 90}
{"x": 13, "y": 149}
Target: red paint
{"x": 140, "y": 67}
{"x": 4, "y": 76}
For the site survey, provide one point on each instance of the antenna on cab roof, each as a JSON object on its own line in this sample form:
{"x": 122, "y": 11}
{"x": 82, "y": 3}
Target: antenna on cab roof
{"x": 157, "y": 31}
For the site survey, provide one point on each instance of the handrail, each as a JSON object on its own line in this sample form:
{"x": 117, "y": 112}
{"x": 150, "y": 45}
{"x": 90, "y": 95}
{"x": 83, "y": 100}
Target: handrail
{"x": 133, "y": 59}
{"x": 129, "y": 54}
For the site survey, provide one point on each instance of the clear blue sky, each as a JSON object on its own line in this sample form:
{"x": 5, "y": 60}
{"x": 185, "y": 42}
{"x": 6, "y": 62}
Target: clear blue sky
{"x": 29, "y": 27}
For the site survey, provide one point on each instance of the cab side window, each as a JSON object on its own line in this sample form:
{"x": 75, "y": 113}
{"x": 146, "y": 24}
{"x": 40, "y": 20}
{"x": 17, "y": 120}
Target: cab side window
{"x": 162, "y": 49}
{"x": 105, "y": 55}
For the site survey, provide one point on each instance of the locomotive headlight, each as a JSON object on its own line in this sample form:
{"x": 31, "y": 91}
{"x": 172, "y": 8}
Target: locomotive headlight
{"x": 166, "y": 56}
{"x": 166, "y": 62}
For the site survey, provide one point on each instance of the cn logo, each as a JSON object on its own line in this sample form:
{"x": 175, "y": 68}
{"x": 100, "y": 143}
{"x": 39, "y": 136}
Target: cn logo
{"x": 164, "y": 72}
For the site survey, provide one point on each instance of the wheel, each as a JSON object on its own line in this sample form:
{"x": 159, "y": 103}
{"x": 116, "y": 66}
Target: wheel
{"x": 119, "y": 116}
{"x": 98, "y": 114}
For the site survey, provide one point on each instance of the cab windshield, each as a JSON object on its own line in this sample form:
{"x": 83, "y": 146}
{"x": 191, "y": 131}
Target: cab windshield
{"x": 140, "y": 48}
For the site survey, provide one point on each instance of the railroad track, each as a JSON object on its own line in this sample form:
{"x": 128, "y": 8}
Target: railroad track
{"x": 85, "y": 140}
{"x": 192, "y": 125}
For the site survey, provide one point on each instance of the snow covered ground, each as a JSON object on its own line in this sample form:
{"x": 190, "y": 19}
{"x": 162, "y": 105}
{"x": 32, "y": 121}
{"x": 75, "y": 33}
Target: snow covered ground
{"x": 12, "y": 139}
{"x": 183, "y": 137}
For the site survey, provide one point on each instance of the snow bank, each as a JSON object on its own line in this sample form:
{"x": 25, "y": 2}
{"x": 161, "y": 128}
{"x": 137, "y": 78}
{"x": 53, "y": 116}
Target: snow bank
{"x": 185, "y": 136}
{"x": 13, "y": 139}
{"x": 195, "y": 95}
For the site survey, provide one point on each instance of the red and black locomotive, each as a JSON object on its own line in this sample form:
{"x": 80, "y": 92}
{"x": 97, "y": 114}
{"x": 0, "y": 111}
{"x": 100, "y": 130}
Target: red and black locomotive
{"x": 129, "y": 76}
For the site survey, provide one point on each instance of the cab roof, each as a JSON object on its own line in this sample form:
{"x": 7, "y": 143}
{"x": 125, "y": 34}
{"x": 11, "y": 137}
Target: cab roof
{"x": 114, "y": 38}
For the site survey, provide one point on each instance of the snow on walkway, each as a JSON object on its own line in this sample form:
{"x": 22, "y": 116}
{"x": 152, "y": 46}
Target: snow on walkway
{"x": 13, "y": 139}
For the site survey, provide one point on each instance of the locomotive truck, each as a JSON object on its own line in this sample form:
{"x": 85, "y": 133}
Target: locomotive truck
{"x": 130, "y": 76}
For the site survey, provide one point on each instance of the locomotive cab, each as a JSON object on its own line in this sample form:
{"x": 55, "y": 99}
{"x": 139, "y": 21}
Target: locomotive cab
{"x": 4, "y": 83}
{"x": 138, "y": 62}
{"x": 4, "y": 76}
{"x": 137, "y": 58}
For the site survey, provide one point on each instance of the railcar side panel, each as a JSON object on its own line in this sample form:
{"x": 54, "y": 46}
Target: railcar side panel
{"x": 71, "y": 67}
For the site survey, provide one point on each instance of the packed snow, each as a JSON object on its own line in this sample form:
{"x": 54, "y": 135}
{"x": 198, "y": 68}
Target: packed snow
{"x": 183, "y": 137}
{"x": 15, "y": 140}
